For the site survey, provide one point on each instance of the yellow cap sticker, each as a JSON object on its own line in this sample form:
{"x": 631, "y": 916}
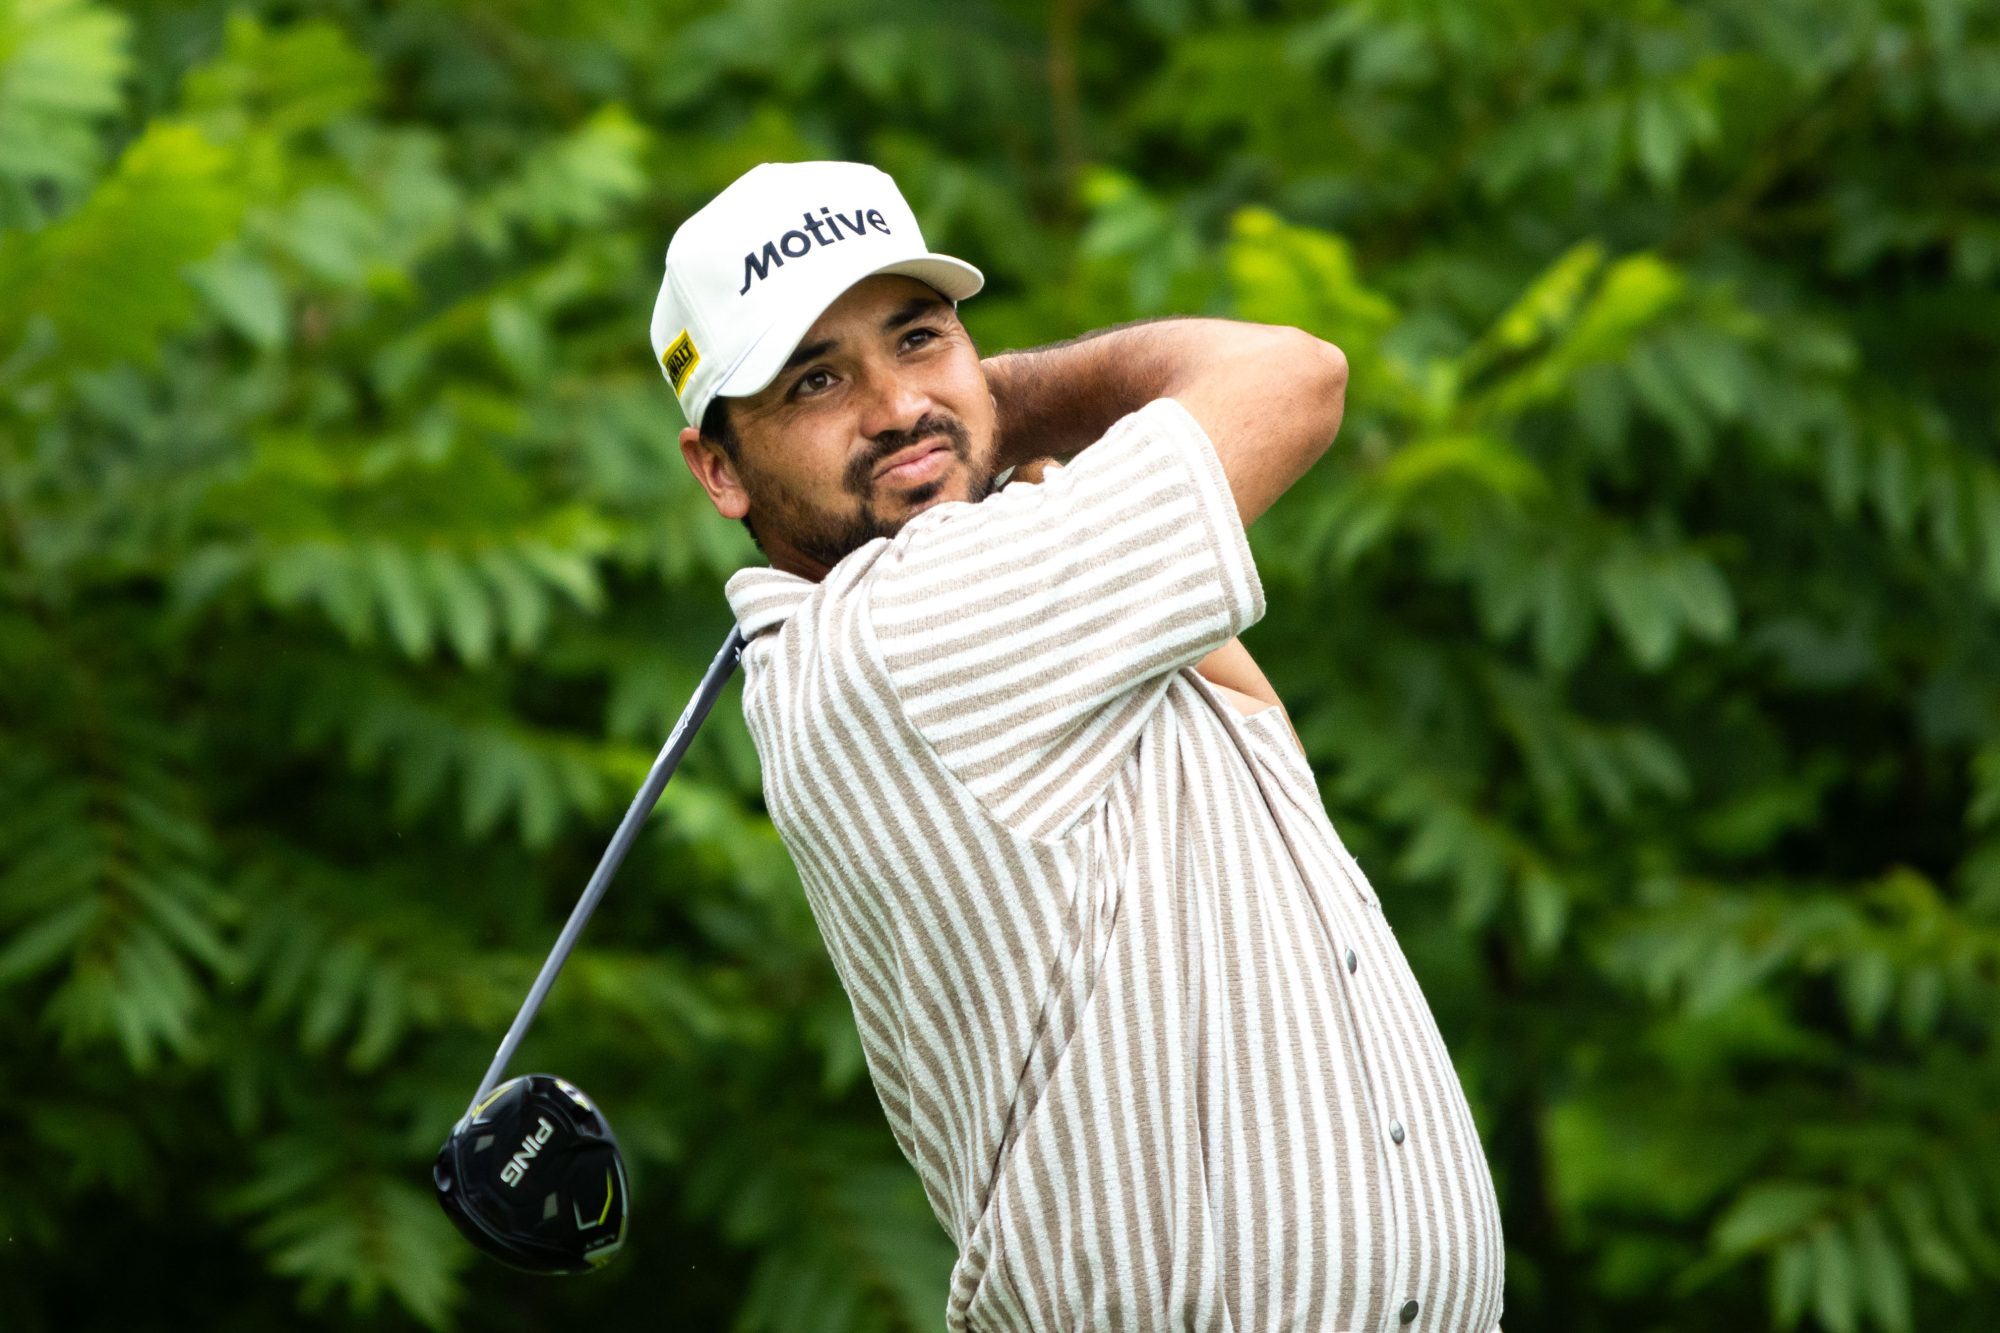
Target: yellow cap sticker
{"x": 680, "y": 359}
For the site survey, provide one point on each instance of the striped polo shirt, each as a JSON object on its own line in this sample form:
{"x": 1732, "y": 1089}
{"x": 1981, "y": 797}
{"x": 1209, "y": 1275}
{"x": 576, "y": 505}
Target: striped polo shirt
{"x": 1133, "y": 1012}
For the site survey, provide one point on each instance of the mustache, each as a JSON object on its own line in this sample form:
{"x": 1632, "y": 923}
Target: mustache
{"x": 860, "y": 476}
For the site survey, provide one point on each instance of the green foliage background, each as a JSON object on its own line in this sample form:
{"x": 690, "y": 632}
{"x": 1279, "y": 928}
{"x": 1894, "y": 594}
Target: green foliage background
{"x": 1642, "y": 625}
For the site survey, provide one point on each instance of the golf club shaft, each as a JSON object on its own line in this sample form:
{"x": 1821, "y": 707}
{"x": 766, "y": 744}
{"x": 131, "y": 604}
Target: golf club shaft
{"x": 697, "y": 708}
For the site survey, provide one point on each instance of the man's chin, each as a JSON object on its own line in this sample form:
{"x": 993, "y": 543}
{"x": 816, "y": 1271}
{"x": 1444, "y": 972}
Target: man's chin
{"x": 919, "y": 498}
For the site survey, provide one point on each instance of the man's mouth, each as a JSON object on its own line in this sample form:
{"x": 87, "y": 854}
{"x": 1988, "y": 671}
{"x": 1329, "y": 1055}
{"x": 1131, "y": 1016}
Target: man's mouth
{"x": 915, "y": 465}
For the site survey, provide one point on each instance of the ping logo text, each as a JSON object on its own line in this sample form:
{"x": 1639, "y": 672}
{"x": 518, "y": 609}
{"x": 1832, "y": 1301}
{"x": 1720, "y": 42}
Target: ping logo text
{"x": 531, "y": 1144}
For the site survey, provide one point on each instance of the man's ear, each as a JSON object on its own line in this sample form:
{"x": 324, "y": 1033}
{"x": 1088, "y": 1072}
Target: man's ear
{"x": 717, "y": 475}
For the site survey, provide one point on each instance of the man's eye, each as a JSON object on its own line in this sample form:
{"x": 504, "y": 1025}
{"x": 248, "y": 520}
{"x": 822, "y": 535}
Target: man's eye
{"x": 813, "y": 381}
{"x": 919, "y": 337}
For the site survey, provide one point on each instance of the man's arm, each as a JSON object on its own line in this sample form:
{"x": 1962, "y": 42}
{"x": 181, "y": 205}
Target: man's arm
{"x": 1230, "y": 667}
{"x": 1233, "y": 669}
{"x": 1269, "y": 398}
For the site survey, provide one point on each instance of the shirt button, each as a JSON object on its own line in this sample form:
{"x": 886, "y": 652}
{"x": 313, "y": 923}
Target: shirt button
{"x": 1409, "y": 1312}
{"x": 1396, "y": 1133}
{"x": 1352, "y": 961}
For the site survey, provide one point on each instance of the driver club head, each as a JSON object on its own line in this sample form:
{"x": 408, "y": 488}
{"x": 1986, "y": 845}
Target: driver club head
{"x": 533, "y": 1176}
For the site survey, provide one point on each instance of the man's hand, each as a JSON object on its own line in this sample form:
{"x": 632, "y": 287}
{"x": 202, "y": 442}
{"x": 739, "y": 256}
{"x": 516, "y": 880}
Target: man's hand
{"x": 1269, "y": 398}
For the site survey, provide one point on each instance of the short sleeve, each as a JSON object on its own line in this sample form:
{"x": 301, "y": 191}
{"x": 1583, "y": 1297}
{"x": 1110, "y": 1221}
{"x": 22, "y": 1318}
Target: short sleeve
{"x": 1030, "y": 637}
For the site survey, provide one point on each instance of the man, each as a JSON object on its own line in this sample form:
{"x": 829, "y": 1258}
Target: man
{"x": 1134, "y": 1014}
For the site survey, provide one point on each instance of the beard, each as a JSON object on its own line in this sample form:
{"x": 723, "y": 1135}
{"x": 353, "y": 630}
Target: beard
{"x": 827, "y": 534}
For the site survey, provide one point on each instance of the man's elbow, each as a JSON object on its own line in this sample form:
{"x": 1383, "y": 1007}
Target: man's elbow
{"x": 1322, "y": 388}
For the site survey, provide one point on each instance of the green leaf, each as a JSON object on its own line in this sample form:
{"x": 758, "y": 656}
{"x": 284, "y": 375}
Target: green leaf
{"x": 1986, "y": 502}
{"x": 339, "y": 977}
{"x": 1544, "y": 911}
{"x": 1770, "y": 1212}
{"x": 1984, "y": 807}
{"x": 1488, "y": 463}
{"x": 337, "y": 1227}
{"x": 1637, "y": 290}
{"x": 518, "y": 337}
{"x": 1564, "y": 616}
{"x": 468, "y": 614}
{"x": 1791, "y": 1282}
{"x": 1701, "y": 597}
{"x": 1658, "y": 139}
{"x": 1867, "y": 981}
{"x": 1287, "y": 274}
{"x": 61, "y": 66}
{"x": 566, "y": 570}
{"x": 42, "y": 944}
{"x": 284, "y": 82}
{"x": 384, "y": 1015}
{"x": 334, "y": 235}
{"x": 492, "y": 780}
{"x": 246, "y": 294}
{"x": 399, "y": 591}
{"x": 524, "y": 605}
{"x": 1884, "y": 1280}
{"x": 1634, "y": 294}
{"x": 107, "y": 280}
{"x": 579, "y": 180}
{"x": 1637, "y": 601}
{"x": 1550, "y": 301}
{"x": 187, "y": 923}
{"x": 1834, "y": 1281}
{"x": 1922, "y": 1001}
{"x": 1929, "y": 1250}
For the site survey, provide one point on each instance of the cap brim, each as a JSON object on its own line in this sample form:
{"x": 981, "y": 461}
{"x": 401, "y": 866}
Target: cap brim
{"x": 953, "y": 278}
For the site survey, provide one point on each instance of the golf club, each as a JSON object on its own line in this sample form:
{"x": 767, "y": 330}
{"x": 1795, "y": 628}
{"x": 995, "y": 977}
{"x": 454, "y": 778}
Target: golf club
{"x": 531, "y": 1173}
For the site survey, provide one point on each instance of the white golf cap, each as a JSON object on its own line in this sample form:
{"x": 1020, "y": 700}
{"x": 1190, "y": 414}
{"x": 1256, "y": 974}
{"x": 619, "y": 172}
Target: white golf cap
{"x": 749, "y": 273}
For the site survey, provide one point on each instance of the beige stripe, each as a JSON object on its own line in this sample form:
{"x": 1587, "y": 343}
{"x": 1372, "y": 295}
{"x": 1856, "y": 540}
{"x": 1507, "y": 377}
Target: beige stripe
{"x": 919, "y": 604}
{"x": 1035, "y": 636}
{"x": 963, "y": 831}
{"x": 943, "y": 1083}
{"x": 923, "y": 588}
{"x": 1064, "y": 701}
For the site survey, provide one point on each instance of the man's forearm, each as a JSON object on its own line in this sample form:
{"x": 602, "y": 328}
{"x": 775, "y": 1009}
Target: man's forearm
{"x": 1054, "y": 400}
{"x": 1270, "y": 398}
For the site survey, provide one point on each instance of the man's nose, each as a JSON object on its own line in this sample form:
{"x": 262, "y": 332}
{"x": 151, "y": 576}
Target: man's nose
{"x": 891, "y": 402}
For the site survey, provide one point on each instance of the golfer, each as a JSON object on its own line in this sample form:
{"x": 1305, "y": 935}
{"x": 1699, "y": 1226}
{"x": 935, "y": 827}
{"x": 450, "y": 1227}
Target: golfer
{"x": 1136, "y": 1017}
